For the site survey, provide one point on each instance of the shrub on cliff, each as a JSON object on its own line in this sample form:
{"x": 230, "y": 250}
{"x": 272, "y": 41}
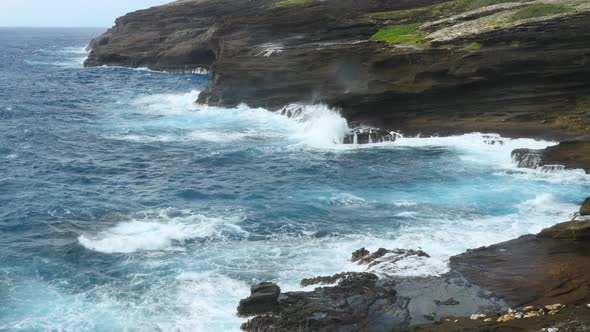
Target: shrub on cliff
{"x": 400, "y": 34}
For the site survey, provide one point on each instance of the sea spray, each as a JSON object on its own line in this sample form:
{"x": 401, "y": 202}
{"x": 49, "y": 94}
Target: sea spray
{"x": 320, "y": 126}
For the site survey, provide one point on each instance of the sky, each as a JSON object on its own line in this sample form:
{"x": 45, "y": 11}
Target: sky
{"x": 68, "y": 13}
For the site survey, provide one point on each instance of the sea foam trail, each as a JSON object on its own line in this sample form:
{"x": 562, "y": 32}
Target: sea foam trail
{"x": 157, "y": 230}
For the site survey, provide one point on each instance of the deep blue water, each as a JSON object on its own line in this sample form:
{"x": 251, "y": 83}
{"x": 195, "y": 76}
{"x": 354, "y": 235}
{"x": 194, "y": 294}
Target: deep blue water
{"x": 125, "y": 206}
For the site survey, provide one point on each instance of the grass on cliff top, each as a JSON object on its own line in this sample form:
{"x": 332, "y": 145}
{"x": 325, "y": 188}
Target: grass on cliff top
{"x": 473, "y": 47}
{"x": 540, "y": 10}
{"x": 400, "y": 34}
{"x": 290, "y": 3}
{"x": 434, "y": 12}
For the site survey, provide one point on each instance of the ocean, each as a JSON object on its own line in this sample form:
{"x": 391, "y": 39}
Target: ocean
{"x": 125, "y": 206}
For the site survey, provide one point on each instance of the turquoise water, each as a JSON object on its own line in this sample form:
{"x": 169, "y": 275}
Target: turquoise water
{"x": 124, "y": 206}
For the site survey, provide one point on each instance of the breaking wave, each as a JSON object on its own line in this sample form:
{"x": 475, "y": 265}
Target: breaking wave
{"x": 157, "y": 230}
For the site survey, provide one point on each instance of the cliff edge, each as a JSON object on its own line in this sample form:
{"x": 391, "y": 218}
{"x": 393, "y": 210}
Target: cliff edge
{"x": 516, "y": 67}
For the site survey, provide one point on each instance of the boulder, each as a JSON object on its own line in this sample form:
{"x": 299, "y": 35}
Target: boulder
{"x": 263, "y": 298}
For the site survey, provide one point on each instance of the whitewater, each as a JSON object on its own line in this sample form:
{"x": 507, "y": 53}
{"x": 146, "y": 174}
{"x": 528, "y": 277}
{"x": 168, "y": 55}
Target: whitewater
{"x": 126, "y": 206}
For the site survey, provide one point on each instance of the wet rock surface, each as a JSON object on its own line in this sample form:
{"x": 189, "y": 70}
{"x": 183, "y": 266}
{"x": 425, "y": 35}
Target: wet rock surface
{"x": 368, "y": 136}
{"x": 359, "y": 302}
{"x": 569, "y": 154}
{"x": 527, "y": 158}
{"x": 263, "y": 298}
{"x": 550, "y": 267}
{"x": 546, "y": 275}
{"x": 382, "y": 255}
{"x": 362, "y": 301}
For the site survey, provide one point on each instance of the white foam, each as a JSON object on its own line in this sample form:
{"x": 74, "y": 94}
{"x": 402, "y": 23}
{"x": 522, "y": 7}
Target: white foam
{"x": 346, "y": 199}
{"x": 210, "y": 299}
{"x": 404, "y": 203}
{"x": 407, "y": 214}
{"x": 443, "y": 238}
{"x": 154, "y": 230}
{"x": 315, "y": 126}
{"x": 319, "y": 126}
{"x": 474, "y": 147}
{"x": 167, "y": 103}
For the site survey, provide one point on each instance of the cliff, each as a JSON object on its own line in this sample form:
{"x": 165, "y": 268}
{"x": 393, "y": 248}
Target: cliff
{"x": 515, "y": 67}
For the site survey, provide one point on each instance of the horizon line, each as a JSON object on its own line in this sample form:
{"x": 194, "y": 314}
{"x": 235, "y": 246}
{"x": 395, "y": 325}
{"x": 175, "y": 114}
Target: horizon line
{"x": 52, "y": 27}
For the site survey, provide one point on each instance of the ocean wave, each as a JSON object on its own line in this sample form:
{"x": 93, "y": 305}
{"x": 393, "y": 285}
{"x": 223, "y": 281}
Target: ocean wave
{"x": 68, "y": 57}
{"x": 157, "y": 230}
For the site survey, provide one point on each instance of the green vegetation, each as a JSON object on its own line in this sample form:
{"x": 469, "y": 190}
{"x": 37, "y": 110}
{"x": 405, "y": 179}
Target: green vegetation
{"x": 515, "y": 44}
{"x": 400, "y": 34}
{"x": 434, "y": 12}
{"x": 289, "y": 3}
{"x": 473, "y": 47}
{"x": 540, "y": 10}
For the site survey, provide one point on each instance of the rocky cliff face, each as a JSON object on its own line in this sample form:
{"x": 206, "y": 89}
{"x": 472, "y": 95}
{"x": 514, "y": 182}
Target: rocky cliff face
{"x": 518, "y": 68}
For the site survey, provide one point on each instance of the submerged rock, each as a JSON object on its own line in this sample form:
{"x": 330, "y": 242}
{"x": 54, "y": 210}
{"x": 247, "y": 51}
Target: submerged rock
{"x": 369, "y": 136}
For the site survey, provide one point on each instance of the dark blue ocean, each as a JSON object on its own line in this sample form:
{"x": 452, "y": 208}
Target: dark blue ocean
{"x": 124, "y": 206}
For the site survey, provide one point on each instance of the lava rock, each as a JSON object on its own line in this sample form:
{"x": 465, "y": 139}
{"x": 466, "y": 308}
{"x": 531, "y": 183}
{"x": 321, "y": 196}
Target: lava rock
{"x": 360, "y": 253}
{"x": 382, "y": 255}
{"x": 263, "y": 298}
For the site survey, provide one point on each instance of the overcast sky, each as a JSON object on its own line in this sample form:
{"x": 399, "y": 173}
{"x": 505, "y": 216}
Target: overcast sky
{"x": 68, "y": 13}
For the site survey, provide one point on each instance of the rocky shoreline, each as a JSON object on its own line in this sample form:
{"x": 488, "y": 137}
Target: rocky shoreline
{"x": 533, "y": 282}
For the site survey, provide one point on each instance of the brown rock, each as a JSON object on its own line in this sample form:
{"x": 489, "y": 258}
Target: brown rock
{"x": 555, "y": 265}
{"x": 585, "y": 208}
